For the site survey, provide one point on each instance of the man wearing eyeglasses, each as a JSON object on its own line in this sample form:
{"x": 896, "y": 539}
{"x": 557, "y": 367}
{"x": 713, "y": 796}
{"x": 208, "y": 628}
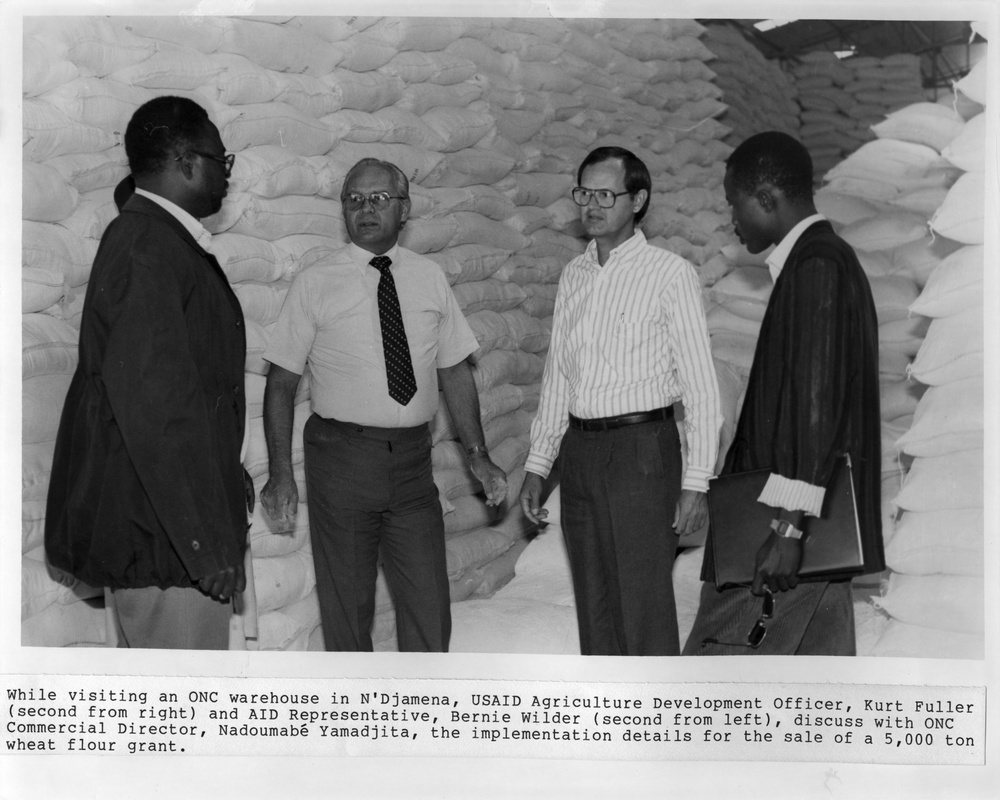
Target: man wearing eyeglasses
{"x": 629, "y": 340}
{"x": 147, "y": 494}
{"x": 381, "y": 332}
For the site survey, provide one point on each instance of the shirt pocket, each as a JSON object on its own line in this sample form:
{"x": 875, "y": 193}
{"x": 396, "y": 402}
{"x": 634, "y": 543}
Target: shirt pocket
{"x": 422, "y": 325}
{"x": 630, "y": 348}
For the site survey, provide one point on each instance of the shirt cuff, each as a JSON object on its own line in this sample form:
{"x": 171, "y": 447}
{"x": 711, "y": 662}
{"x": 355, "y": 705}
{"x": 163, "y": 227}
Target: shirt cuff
{"x": 538, "y": 464}
{"x": 696, "y": 479}
{"x": 781, "y": 492}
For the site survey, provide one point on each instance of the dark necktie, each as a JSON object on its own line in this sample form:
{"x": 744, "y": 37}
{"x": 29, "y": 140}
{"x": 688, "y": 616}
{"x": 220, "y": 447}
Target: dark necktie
{"x": 398, "y": 366}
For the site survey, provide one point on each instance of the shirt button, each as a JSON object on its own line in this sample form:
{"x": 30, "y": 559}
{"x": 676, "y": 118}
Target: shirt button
{"x": 196, "y": 545}
{"x": 239, "y": 323}
{"x": 236, "y": 388}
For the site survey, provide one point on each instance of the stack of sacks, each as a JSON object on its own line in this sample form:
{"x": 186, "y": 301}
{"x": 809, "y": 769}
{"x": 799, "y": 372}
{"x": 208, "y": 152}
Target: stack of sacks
{"x": 534, "y": 612}
{"x": 935, "y": 594}
{"x": 283, "y": 578}
{"x": 488, "y": 118}
{"x": 880, "y": 86}
{"x": 881, "y": 199}
{"x": 736, "y": 289}
{"x": 52, "y": 613}
{"x": 588, "y": 83}
{"x": 70, "y": 167}
{"x": 735, "y": 310}
{"x": 663, "y": 106}
{"x": 841, "y": 99}
{"x": 759, "y": 94}
{"x": 828, "y": 125}
{"x": 881, "y": 196}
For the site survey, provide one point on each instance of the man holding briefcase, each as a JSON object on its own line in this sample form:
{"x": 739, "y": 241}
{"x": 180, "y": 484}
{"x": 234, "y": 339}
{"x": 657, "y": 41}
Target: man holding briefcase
{"x": 812, "y": 396}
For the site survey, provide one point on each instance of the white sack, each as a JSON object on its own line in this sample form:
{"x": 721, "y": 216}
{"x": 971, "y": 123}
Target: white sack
{"x": 933, "y": 542}
{"x": 961, "y": 216}
{"x": 948, "y": 418}
{"x": 46, "y": 196}
{"x": 952, "y": 349}
{"x": 951, "y": 480}
{"x": 955, "y": 285}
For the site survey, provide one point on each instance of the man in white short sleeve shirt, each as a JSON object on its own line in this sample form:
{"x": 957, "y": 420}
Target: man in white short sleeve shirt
{"x": 381, "y": 331}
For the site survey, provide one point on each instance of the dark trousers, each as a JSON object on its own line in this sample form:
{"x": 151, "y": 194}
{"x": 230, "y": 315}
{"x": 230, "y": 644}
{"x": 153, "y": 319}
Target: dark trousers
{"x": 619, "y": 492}
{"x": 813, "y": 619}
{"x": 370, "y": 492}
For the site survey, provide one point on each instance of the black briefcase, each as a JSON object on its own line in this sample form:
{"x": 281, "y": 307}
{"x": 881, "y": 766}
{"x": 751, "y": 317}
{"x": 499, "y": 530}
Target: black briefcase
{"x": 831, "y": 545}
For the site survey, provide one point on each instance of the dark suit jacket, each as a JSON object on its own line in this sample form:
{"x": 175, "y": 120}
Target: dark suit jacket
{"x": 813, "y": 391}
{"x": 147, "y": 486}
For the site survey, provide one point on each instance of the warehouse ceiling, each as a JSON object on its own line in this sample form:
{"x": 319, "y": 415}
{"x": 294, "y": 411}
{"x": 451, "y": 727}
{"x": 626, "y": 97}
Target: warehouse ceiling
{"x": 944, "y": 46}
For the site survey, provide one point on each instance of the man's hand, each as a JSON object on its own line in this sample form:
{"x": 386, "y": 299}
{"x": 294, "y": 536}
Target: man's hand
{"x": 492, "y": 478}
{"x": 692, "y": 512}
{"x": 777, "y": 564}
{"x": 224, "y": 584}
{"x": 280, "y": 497}
{"x": 531, "y": 498}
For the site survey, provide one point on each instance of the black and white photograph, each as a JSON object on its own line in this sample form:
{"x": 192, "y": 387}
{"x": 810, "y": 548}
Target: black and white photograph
{"x": 550, "y": 400}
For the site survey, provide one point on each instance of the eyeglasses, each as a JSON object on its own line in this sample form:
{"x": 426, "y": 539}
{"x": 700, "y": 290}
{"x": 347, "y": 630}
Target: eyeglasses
{"x": 379, "y": 200}
{"x": 759, "y": 630}
{"x": 605, "y": 197}
{"x": 226, "y": 161}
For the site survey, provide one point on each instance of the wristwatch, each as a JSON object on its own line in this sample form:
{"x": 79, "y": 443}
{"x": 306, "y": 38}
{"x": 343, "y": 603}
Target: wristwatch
{"x": 784, "y": 528}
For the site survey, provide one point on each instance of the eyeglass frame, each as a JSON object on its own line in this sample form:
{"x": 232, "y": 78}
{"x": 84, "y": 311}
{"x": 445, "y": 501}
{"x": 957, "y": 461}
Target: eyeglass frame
{"x": 381, "y": 204}
{"x": 757, "y": 634}
{"x": 595, "y": 194}
{"x": 227, "y": 161}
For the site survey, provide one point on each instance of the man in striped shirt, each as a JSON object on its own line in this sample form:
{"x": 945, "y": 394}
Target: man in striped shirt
{"x": 629, "y": 340}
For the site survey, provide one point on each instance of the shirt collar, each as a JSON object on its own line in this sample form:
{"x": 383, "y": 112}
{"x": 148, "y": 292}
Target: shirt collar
{"x": 634, "y": 242}
{"x": 362, "y": 257}
{"x": 776, "y": 261}
{"x": 200, "y": 233}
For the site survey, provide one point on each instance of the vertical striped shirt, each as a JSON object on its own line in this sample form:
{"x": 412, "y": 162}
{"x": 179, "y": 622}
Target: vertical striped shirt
{"x": 628, "y": 337}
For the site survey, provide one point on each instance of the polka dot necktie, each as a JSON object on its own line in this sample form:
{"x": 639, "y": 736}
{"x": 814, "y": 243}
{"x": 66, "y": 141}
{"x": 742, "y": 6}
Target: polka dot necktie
{"x": 398, "y": 366}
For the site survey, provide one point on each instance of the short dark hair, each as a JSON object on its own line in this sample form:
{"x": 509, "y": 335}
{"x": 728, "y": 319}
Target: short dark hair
{"x": 776, "y": 158}
{"x": 160, "y": 130}
{"x": 400, "y": 183}
{"x": 636, "y": 174}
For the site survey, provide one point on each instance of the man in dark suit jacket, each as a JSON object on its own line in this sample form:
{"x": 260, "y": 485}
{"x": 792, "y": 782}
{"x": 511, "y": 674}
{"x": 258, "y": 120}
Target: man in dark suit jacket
{"x": 147, "y": 493}
{"x": 812, "y": 395}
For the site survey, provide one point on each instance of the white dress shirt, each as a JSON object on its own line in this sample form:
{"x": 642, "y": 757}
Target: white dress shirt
{"x": 200, "y": 233}
{"x": 330, "y": 318}
{"x": 629, "y": 337}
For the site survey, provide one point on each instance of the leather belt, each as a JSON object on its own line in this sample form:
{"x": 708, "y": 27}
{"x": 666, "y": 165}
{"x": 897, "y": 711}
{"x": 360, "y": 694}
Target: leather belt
{"x": 380, "y": 434}
{"x": 621, "y": 421}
